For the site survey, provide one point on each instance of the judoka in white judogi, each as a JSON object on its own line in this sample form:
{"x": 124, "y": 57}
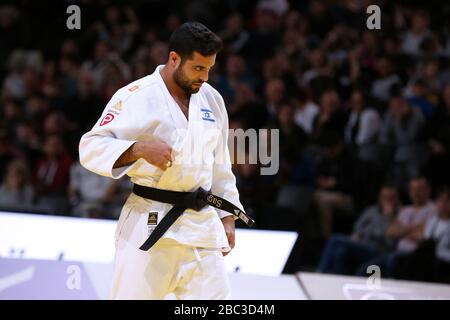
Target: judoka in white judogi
{"x": 187, "y": 260}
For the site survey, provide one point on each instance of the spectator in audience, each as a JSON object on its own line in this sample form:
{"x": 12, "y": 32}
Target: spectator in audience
{"x": 417, "y": 32}
{"x": 234, "y": 35}
{"x": 305, "y": 111}
{"x": 236, "y": 73}
{"x": 403, "y": 140}
{"x": 28, "y": 141}
{"x": 11, "y": 114}
{"x": 36, "y": 108}
{"x": 442, "y": 262}
{"x": 430, "y": 72}
{"x": 295, "y": 165}
{"x": 294, "y": 37}
{"x": 363, "y": 127}
{"x": 263, "y": 38}
{"x": 271, "y": 70}
{"x": 51, "y": 175}
{"x": 274, "y": 92}
{"x": 420, "y": 99}
{"x": 16, "y": 192}
{"x": 91, "y": 195}
{"x": 386, "y": 80}
{"x": 343, "y": 253}
{"x": 331, "y": 119}
{"x": 292, "y": 137}
{"x": 438, "y": 134}
{"x": 428, "y": 261}
{"x": 407, "y": 229}
{"x": 86, "y": 96}
{"x": 248, "y": 107}
{"x": 320, "y": 18}
{"x": 318, "y": 67}
{"x": 7, "y": 152}
{"x": 11, "y": 32}
{"x": 336, "y": 182}
{"x": 252, "y": 190}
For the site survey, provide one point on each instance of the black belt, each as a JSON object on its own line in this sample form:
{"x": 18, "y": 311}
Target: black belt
{"x": 181, "y": 201}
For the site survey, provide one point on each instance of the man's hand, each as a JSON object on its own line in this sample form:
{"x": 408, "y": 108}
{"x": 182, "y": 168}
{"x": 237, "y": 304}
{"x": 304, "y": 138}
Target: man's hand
{"x": 228, "y": 224}
{"x": 154, "y": 151}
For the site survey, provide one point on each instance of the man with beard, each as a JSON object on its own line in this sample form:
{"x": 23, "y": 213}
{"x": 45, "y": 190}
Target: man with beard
{"x": 168, "y": 133}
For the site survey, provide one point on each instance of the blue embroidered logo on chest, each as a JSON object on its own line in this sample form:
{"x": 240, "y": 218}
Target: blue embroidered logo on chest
{"x": 207, "y": 115}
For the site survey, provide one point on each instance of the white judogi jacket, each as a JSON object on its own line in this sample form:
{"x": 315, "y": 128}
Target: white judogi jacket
{"x": 145, "y": 109}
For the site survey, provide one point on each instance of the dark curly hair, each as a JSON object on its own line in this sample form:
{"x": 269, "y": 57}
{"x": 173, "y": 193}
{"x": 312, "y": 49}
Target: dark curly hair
{"x": 194, "y": 36}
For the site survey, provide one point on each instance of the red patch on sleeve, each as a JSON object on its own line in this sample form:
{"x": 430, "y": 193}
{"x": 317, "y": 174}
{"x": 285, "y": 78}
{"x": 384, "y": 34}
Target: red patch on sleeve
{"x": 133, "y": 88}
{"x": 107, "y": 119}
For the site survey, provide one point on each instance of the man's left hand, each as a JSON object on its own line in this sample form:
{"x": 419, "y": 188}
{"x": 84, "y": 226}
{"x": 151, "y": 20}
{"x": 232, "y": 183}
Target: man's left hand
{"x": 228, "y": 224}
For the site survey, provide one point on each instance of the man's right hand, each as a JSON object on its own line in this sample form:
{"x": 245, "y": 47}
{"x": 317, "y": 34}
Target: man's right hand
{"x": 154, "y": 151}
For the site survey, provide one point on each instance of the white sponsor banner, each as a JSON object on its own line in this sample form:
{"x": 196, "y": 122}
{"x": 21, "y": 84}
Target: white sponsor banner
{"x": 32, "y": 236}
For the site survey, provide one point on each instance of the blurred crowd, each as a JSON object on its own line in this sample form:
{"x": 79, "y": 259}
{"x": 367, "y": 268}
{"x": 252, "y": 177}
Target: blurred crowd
{"x": 364, "y": 116}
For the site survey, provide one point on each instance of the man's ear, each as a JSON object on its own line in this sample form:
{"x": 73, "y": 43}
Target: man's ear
{"x": 174, "y": 59}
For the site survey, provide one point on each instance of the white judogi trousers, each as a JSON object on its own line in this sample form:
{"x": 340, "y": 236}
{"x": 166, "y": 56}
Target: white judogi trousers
{"x": 189, "y": 273}
{"x": 169, "y": 267}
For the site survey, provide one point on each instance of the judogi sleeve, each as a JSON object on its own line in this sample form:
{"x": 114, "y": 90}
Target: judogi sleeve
{"x": 224, "y": 181}
{"x": 117, "y": 130}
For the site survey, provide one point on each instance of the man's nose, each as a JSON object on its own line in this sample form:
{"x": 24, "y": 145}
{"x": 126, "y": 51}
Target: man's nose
{"x": 204, "y": 77}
